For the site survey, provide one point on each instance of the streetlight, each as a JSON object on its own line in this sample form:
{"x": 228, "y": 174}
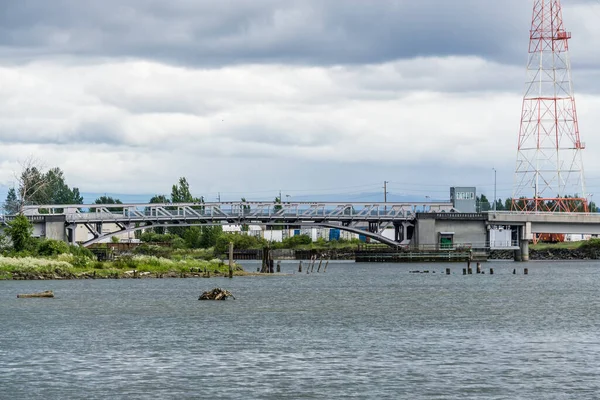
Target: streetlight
{"x": 494, "y": 189}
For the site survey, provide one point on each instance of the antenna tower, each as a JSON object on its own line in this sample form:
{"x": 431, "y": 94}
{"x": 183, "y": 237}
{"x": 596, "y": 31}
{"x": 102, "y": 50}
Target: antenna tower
{"x": 549, "y": 173}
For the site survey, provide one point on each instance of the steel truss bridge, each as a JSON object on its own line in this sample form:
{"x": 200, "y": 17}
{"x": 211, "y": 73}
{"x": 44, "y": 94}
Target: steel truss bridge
{"x": 369, "y": 219}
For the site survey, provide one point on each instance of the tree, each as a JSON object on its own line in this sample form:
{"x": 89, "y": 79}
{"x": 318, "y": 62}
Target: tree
{"x": 38, "y": 187}
{"x": 11, "y": 204}
{"x": 57, "y": 191}
{"x": 107, "y": 200}
{"x": 245, "y": 211}
{"x": 193, "y": 237}
{"x": 482, "y": 203}
{"x": 499, "y": 205}
{"x": 210, "y": 234}
{"x": 277, "y": 208}
{"x": 159, "y": 199}
{"x": 180, "y": 193}
{"x": 19, "y": 230}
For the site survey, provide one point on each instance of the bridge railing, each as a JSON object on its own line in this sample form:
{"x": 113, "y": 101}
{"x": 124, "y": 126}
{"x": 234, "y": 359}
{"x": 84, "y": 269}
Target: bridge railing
{"x": 239, "y": 210}
{"x": 508, "y": 213}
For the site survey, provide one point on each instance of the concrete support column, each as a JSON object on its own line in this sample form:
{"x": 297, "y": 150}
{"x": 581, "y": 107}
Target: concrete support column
{"x": 524, "y": 249}
{"x": 71, "y": 234}
{"x": 405, "y": 231}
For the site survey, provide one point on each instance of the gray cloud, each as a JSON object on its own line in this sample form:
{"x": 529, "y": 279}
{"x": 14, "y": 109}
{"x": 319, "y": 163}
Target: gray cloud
{"x": 206, "y": 32}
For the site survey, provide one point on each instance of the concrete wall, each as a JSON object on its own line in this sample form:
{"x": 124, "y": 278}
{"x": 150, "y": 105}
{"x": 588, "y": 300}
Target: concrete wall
{"x": 55, "y": 228}
{"x": 425, "y": 233}
{"x": 472, "y": 233}
{"x": 465, "y": 232}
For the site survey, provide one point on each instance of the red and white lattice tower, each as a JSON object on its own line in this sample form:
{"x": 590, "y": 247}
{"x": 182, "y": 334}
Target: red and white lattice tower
{"x": 549, "y": 172}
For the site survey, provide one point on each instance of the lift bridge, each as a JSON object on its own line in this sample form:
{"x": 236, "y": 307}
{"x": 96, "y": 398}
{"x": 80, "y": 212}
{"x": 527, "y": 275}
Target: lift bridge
{"x": 368, "y": 219}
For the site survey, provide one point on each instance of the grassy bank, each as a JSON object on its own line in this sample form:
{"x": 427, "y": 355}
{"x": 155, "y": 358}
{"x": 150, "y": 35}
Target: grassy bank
{"x": 68, "y": 266}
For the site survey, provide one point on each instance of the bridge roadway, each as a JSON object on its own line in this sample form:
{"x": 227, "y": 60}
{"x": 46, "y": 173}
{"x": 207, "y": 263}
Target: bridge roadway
{"x": 547, "y": 222}
{"x": 369, "y": 219}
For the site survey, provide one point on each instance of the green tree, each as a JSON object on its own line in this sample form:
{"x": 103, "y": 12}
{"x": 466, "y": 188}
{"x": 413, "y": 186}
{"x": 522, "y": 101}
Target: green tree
{"x": 245, "y": 211}
{"x": 56, "y": 191}
{"x": 107, "y": 200}
{"x": 159, "y": 199}
{"x": 11, "y": 204}
{"x": 38, "y": 187}
{"x": 240, "y": 242}
{"x": 210, "y": 234}
{"x": 193, "y": 237}
{"x": 277, "y": 207}
{"x": 499, "y": 205}
{"x": 482, "y": 203}
{"x": 19, "y": 230}
{"x": 180, "y": 193}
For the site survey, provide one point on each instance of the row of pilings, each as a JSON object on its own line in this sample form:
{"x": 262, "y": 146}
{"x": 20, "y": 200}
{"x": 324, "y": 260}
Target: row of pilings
{"x": 268, "y": 264}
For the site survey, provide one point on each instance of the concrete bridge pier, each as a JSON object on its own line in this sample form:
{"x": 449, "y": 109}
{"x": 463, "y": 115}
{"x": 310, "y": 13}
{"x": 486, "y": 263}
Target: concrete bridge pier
{"x": 524, "y": 235}
{"x": 524, "y": 245}
{"x": 70, "y": 233}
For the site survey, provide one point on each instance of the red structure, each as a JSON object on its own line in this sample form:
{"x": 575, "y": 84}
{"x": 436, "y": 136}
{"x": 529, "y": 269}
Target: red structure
{"x": 549, "y": 172}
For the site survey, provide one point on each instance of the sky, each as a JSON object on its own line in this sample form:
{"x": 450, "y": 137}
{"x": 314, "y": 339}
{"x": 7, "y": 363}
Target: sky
{"x": 306, "y": 97}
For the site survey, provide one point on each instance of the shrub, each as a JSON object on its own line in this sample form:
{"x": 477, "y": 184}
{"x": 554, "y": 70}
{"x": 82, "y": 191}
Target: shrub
{"x": 81, "y": 252}
{"x": 152, "y": 237}
{"x": 152, "y": 250}
{"x": 240, "y": 242}
{"x": 50, "y": 247}
{"x": 296, "y": 241}
{"x": 19, "y": 230}
{"x": 591, "y": 244}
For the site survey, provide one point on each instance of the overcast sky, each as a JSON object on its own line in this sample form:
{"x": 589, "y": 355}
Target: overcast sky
{"x": 247, "y": 98}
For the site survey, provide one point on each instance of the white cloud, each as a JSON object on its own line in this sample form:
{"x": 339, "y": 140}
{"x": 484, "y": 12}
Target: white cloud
{"x": 136, "y": 126}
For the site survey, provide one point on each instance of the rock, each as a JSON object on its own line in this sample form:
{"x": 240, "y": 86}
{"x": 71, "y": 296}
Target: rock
{"x": 216, "y": 294}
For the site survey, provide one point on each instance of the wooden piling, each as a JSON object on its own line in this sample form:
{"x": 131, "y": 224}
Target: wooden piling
{"x": 470, "y": 271}
{"x": 279, "y": 266}
{"x": 47, "y": 294}
{"x": 491, "y": 271}
{"x": 230, "y": 260}
{"x": 320, "y": 262}
{"x": 514, "y": 271}
{"x": 300, "y": 266}
{"x": 464, "y": 271}
{"x": 447, "y": 271}
{"x": 314, "y": 260}
{"x": 326, "y": 264}
{"x": 478, "y": 268}
{"x": 526, "y": 271}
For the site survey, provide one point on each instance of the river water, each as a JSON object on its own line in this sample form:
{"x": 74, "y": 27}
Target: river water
{"x": 357, "y": 331}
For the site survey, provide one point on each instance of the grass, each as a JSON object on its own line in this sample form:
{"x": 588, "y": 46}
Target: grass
{"x": 560, "y": 245}
{"x": 68, "y": 266}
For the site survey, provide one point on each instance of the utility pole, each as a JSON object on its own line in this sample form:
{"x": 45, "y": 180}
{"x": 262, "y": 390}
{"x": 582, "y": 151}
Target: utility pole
{"x": 219, "y": 197}
{"x": 494, "y": 189}
{"x": 385, "y": 191}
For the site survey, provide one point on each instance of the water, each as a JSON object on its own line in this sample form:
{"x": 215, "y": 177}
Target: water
{"x": 358, "y": 331}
